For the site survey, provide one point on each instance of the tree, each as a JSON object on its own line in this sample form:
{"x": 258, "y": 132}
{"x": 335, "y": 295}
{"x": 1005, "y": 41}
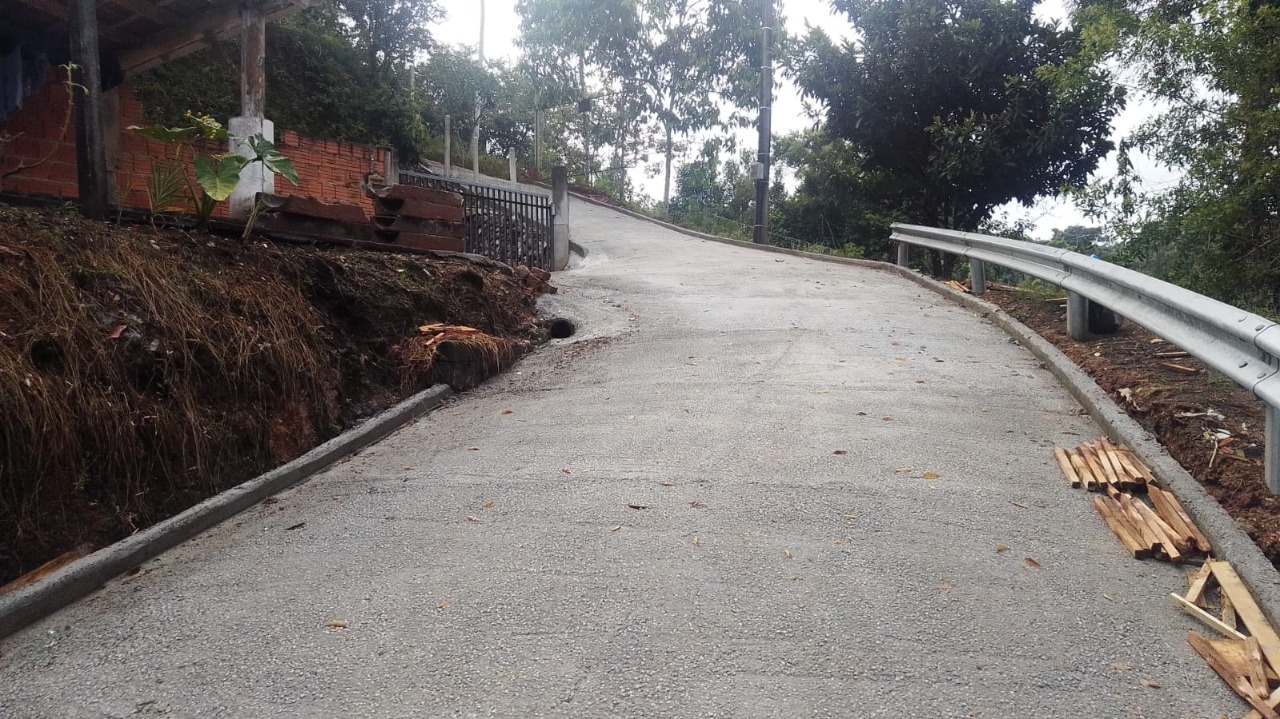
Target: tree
{"x": 1214, "y": 66}
{"x": 389, "y": 33}
{"x": 960, "y": 106}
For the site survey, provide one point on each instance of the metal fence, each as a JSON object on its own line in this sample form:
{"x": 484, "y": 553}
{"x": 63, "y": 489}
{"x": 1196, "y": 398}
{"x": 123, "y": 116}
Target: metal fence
{"x": 503, "y": 224}
{"x": 1240, "y": 344}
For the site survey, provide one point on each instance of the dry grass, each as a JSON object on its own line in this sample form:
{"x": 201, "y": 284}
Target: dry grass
{"x": 141, "y": 372}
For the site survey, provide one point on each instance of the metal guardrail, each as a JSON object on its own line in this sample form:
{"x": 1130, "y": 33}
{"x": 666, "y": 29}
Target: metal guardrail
{"x": 1241, "y": 345}
{"x": 507, "y": 225}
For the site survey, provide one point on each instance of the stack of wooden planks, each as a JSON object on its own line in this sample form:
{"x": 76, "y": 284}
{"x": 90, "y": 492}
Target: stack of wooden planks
{"x": 1248, "y": 663}
{"x": 1162, "y": 529}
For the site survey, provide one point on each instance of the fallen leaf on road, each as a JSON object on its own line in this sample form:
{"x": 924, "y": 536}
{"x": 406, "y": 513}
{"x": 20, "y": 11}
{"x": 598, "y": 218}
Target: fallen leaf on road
{"x": 472, "y": 518}
{"x": 849, "y": 517}
{"x": 489, "y": 504}
{"x": 862, "y": 414}
{"x": 901, "y": 359}
{"x": 1019, "y": 506}
{"x": 919, "y": 381}
{"x": 1001, "y": 548}
{"x": 615, "y": 527}
{"x": 473, "y": 449}
{"x": 299, "y": 525}
{"x": 696, "y": 504}
{"x": 336, "y": 624}
{"x": 567, "y": 470}
{"x": 667, "y": 484}
{"x": 1151, "y": 683}
{"x": 840, "y": 451}
{"x": 904, "y": 470}
{"x": 1031, "y": 562}
{"x": 1108, "y": 597}
{"x": 115, "y": 333}
{"x": 888, "y": 419}
{"x": 946, "y": 585}
{"x": 409, "y": 467}
{"x": 694, "y": 541}
{"x": 1122, "y": 666}
{"x": 442, "y": 604}
{"x": 506, "y": 411}
{"x": 837, "y": 541}
{"x": 638, "y": 506}
{"x": 786, "y": 553}
{"x": 930, "y": 475}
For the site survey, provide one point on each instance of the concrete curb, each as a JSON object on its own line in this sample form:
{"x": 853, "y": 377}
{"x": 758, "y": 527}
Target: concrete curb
{"x": 48, "y": 595}
{"x": 1229, "y": 541}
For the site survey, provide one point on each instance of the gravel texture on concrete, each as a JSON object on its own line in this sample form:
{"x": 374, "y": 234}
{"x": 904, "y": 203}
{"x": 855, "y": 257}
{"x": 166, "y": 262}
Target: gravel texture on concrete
{"x": 751, "y": 485}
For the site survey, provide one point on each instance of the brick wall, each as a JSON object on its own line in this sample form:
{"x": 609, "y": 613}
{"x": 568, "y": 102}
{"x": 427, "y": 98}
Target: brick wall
{"x": 329, "y": 170}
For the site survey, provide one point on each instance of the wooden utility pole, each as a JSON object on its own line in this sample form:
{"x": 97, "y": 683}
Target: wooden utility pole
{"x": 253, "y": 59}
{"x": 91, "y": 145}
{"x": 475, "y": 130}
{"x": 761, "y": 230}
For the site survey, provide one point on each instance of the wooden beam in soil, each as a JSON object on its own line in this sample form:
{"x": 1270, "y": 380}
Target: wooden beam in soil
{"x": 1238, "y": 683}
{"x": 91, "y": 141}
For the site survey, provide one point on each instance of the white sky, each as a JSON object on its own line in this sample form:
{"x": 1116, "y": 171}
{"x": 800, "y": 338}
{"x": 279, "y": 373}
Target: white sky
{"x": 462, "y": 26}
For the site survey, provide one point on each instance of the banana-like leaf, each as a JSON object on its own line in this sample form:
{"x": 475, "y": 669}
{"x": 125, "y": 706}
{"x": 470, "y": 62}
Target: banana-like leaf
{"x": 219, "y": 175}
{"x": 272, "y": 159}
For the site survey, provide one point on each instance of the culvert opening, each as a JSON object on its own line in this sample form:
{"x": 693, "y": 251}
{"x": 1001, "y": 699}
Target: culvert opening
{"x": 561, "y": 328}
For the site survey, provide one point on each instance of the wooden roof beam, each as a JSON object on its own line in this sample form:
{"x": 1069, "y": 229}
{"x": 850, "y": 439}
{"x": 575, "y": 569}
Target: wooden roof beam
{"x": 221, "y": 23}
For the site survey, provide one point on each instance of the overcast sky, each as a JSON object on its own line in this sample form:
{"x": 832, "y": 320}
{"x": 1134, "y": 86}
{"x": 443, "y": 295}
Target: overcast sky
{"x": 462, "y": 26}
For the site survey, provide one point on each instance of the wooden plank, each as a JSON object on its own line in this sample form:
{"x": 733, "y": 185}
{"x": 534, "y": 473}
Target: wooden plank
{"x": 1257, "y": 667}
{"x": 1238, "y": 683}
{"x": 1173, "y": 519}
{"x": 1095, "y": 466}
{"x": 1149, "y": 536}
{"x": 1138, "y": 464}
{"x": 1134, "y": 530}
{"x": 1229, "y": 612}
{"x": 1118, "y": 528}
{"x": 1064, "y": 463}
{"x": 1199, "y": 582}
{"x": 1181, "y": 369}
{"x": 1201, "y": 541}
{"x": 1168, "y": 541}
{"x": 1272, "y": 702}
{"x": 1113, "y": 456}
{"x": 1077, "y": 463}
{"x": 1233, "y": 650}
{"x": 1248, "y": 611}
{"x": 1205, "y": 617}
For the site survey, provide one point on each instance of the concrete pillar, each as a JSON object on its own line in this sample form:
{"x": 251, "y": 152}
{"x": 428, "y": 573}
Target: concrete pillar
{"x": 904, "y": 254}
{"x": 1077, "y": 317}
{"x": 511, "y": 159}
{"x": 560, "y": 208}
{"x": 977, "y": 277}
{"x": 448, "y": 147}
{"x": 256, "y": 177}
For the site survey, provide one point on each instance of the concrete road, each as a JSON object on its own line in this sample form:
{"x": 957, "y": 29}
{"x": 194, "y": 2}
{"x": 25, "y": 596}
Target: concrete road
{"x": 752, "y": 486}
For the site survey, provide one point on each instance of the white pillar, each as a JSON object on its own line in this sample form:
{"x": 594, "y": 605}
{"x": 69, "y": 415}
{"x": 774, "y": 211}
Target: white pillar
{"x": 255, "y": 178}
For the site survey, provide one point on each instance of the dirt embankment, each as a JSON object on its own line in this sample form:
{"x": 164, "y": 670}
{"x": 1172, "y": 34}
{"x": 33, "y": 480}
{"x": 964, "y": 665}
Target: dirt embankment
{"x": 1205, "y": 421}
{"x": 142, "y": 371}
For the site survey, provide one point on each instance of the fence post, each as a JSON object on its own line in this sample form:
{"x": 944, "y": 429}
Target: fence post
{"x": 560, "y": 221}
{"x": 448, "y": 148}
{"x": 977, "y": 277}
{"x": 1077, "y": 316}
{"x": 904, "y": 254}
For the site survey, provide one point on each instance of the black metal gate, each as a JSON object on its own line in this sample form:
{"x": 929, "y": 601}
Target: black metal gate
{"x": 503, "y": 224}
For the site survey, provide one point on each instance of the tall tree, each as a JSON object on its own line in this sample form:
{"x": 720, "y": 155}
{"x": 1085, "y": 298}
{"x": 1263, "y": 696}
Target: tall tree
{"x": 389, "y": 33}
{"x": 961, "y": 105}
{"x": 1214, "y": 67}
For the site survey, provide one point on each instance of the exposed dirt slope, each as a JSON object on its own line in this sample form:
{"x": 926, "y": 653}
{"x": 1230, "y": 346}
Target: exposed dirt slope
{"x": 142, "y": 371}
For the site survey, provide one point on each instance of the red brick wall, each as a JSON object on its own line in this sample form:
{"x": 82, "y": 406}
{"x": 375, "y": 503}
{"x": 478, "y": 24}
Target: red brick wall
{"x": 328, "y": 170}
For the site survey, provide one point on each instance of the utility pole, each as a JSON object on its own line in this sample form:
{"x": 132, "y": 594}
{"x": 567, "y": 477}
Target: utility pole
{"x": 761, "y": 170}
{"x": 475, "y": 130}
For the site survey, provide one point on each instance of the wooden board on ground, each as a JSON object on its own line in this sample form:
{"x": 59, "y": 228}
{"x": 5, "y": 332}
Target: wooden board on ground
{"x": 1247, "y": 610}
{"x": 1064, "y": 463}
{"x": 1199, "y": 581}
{"x": 1205, "y": 617}
{"x": 1121, "y": 531}
{"x": 1239, "y": 683}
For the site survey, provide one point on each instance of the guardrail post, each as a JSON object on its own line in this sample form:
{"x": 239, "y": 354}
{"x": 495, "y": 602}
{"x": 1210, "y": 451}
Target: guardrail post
{"x": 1272, "y": 468}
{"x": 904, "y": 254}
{"x": 560, "y": 219}
{"x": 1077, "y": 317}
{"x": 977, "y": 276}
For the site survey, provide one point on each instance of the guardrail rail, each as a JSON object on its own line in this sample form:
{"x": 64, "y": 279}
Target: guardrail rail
{"x": 1240, "y": 344}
